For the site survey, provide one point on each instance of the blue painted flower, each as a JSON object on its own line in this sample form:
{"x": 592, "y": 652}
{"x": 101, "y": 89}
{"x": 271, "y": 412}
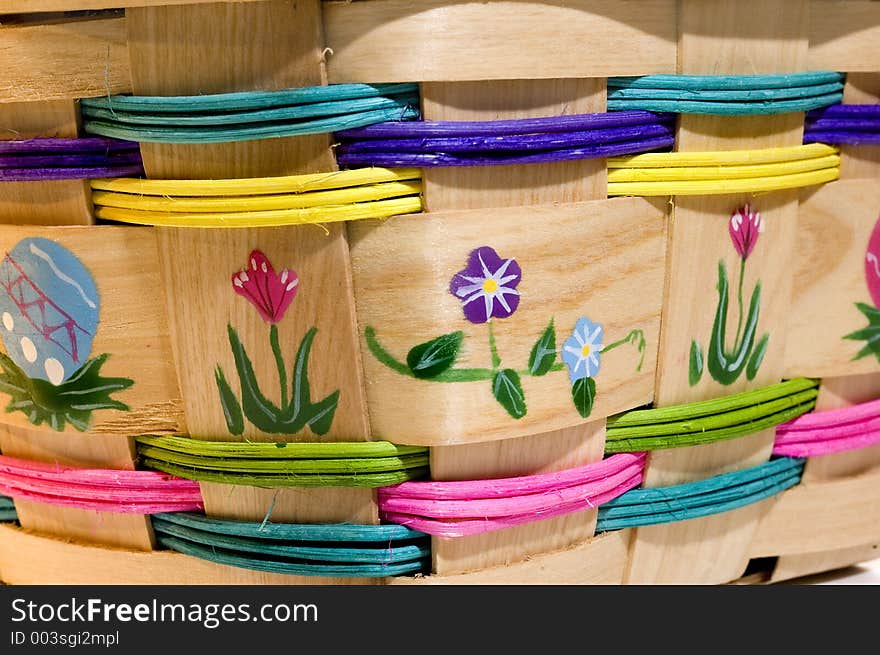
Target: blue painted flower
{"x": 581, "y": 350}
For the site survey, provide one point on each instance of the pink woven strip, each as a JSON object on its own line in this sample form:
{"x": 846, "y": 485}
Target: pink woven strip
{"x": 106, "y": 490}
{"x": 506, "y": 487}
{"x": 460, "y": 508}
{"x": 834, "y": 431}
{"x": 467, "y": 527}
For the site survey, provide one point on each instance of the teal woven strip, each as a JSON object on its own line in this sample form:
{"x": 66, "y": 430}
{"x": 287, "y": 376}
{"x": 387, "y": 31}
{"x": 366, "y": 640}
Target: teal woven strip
{"x": 246, "y": 100}
{"x": 715, "y": 495}
{"x": 336, "y": 553}
{"x": 345, "y": 532}
{"x": 6, "y": 503}
{"x": 726, "y": 82}
{"x": 726, "y": 94}
{"x": 8, "y": 516}
{"x": 275, "y": 565}
{"x": 251, "y": 133}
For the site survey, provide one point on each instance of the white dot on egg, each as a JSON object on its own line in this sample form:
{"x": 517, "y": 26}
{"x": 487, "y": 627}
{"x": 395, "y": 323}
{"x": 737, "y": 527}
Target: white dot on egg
{"x": 54, "y": 370}
{"x": 8, "y": 323}
{"x": 28, "y": 349}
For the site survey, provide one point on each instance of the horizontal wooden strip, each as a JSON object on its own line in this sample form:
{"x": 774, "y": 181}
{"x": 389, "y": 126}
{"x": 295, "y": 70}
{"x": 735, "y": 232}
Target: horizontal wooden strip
{"x": 64, "y": 60}
{"x": 821, "y": 516}
{"x": 844, "y": 35}
{"x": 21, "y": 6}
{"x": 448, "y": 40}
{"x": 29, "y": 558}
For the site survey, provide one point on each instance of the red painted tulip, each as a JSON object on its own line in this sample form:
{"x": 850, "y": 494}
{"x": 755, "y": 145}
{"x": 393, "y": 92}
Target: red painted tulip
{"x": 268, "y": 291}
{"x": 745, "y": 226}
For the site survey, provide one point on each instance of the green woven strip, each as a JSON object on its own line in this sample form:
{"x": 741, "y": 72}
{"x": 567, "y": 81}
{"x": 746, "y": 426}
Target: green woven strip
{"x": 288, "y": 480}
{"x": 247, "y": 450}
{"x": 293, "y": 466}
{"x": 713, "y": 406}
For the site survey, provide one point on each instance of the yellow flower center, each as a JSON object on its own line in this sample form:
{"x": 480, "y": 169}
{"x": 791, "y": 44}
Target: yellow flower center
{"x": 490, "y": 286}
{"x": 585, "y": 350}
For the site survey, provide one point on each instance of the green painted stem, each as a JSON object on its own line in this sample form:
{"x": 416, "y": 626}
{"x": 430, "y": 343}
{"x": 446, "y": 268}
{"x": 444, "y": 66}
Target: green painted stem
{"x": 279, "y": 363}
{"x": 450, "y": 375}
{"x": 742, "y": 274}
{"x": 493, "y": 348}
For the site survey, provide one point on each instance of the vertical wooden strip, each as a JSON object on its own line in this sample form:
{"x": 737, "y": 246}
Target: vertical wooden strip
{"x": 722, "y": 38}
{"x": 61, "y": 202}
{"x": 506, "y": 186}
{"x": 224, "y": 47}
{"x": 53, "y": 202}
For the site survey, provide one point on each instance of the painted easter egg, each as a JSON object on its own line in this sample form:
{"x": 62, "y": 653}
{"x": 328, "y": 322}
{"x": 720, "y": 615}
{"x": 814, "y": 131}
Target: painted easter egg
{"x": 872, "y": 264}
{"x": 48, "y": 309}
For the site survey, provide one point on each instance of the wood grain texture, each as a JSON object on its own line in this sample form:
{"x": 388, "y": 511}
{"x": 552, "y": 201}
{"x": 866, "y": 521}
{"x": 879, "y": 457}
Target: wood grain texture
{"x": 844, "y": 35}
{"x": 85, "y": 451}
{"x": 722, "y": 38}
{"x": 133, "y": 325}
{"x": 77, "y": 59}
{"x": 224, "y": 47}
{"x": 402, "y": 269}
{"x": 861, "y": 162}
{"x": 31, "y": 558}
{"x": 447, "y": 40}
{"x": 54, "y": 202}
{"x": 198, "y": 265}
{"x": 21, "y": 6}
{"x": 290, "y": 505}
{"x": 834, "y": 226}
{"x": 821, "y": 516}
{"x": 599, "y": 561}
{"x": 796, "y": 566}
{"x": 835, "y": 393}
{"x": 475, "y": 187}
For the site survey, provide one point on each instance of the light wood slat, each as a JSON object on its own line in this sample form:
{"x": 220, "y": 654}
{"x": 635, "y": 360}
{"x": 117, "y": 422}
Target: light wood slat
{"x": 79, "y": 59}
{"x": 844, "y": 35}
{"x": 30, "y": 6}
{"x": 447, "y": 40}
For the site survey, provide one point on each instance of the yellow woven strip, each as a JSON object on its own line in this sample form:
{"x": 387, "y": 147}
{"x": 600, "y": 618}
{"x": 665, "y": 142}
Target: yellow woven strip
{"x": 715, "y": 187}
{"x": 228, "y": 204}
{"x": 273, "y": 218}
{"x": 258, "y": 186}
{"x": 723, "y": 158}
{"x": 747, "y": 171}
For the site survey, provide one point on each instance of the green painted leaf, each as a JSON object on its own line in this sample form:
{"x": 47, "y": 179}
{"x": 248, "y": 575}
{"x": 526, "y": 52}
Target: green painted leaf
{"x": 259, "y": 410}
{"x": 869, "y": 334}
{"x": 757, "y": 357}
{"x": 583, "y": 393}
{"x": 543, "y": 353}
{"x": 231, "y": 408}
{"x": 321, "y": 414}
{"x": 72, "y": 401}
{"x": 430, "y": 359}
{"x": 695, "y": 367}
{"x": 508, "y": 391}
{"x": 726, "y": 366}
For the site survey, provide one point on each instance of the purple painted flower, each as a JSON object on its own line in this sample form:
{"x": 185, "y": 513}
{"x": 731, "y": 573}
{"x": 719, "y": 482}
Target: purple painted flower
{"x": 487, "y": 287}
{"x": 745, "y": 226}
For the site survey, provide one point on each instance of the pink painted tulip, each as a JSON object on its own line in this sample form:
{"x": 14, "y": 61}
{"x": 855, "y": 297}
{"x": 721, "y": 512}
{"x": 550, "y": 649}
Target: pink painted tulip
{"x": 872, "y": 264}
{"x": 744, "y": 227}
{"x": 268, "y": 291}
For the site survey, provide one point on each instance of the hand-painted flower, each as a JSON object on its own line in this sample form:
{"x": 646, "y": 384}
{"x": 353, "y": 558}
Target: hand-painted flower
{"x": 872, "y": 264}
{"x": 744, "y": 227}
{"x": 581, "y": 350}
{"x": 487, "y": 287}
{"x": 269, "y": 292}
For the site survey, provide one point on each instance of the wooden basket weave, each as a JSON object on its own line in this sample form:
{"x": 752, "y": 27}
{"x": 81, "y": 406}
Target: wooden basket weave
{"x": 649, "y": 268}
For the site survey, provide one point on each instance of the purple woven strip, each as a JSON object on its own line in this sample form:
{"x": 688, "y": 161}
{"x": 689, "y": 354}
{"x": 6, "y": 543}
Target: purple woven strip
{"x": 842, "y": 137}
{"x": 95, "y": 144}
{"x": 392, "y": 159}
{"x": 510, "y": 143}
{"x": 845, "y": 111}
{"x": 42, "y": 174}
{"x": 568, "y": 123}
{"x": 78, "y": 160}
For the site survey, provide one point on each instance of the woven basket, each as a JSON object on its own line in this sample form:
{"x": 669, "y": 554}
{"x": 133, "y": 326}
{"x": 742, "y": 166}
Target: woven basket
{"x": 476, "y": 292}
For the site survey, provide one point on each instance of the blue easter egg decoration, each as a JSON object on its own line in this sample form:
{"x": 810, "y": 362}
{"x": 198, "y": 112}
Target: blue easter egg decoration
{"x": 48, "y": 309}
